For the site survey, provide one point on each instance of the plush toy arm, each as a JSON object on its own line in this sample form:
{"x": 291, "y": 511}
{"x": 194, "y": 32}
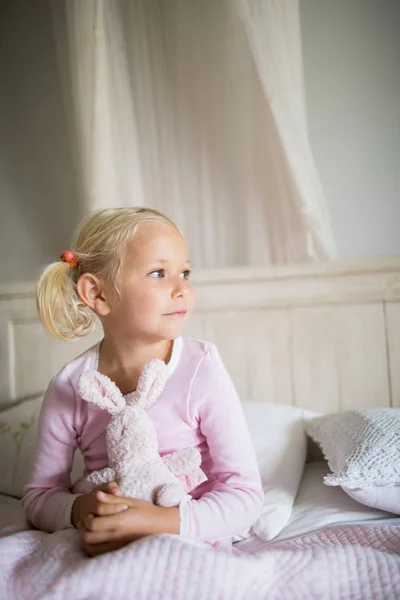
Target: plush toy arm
{"x": 183, "y": 462}
{"x": 97, "y": 478}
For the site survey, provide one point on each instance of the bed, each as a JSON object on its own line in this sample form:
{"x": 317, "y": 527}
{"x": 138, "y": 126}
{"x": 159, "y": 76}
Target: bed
{"x": 321, "y": 338}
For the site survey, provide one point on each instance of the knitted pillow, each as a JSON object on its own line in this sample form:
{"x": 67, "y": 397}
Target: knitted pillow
{"x": 362, "y": 448}
{"x": 18, "y": 429}
{"x": 18, "y": 433}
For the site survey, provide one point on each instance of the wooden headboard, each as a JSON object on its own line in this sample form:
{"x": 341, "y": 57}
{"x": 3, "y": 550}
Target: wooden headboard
{"x": 325, "y": 336}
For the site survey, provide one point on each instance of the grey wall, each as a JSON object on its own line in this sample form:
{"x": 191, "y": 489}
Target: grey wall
{"x": 39, "y": 201}
{"x": 351, "y": 51}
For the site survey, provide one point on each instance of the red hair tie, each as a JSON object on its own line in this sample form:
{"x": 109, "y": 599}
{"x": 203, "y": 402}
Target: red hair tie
{"x": 69, "y": 257}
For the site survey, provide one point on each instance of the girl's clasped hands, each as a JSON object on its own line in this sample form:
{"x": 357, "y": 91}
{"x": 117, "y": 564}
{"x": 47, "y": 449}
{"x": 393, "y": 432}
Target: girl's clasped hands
{"x": 107, "y": 521}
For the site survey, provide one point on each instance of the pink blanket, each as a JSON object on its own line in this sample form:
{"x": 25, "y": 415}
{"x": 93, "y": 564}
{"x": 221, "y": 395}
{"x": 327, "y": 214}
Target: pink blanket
{"x": 358, "y": 562}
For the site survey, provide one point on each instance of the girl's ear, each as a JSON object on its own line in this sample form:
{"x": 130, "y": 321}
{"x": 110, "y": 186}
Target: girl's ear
{"x": 92, "y": 293}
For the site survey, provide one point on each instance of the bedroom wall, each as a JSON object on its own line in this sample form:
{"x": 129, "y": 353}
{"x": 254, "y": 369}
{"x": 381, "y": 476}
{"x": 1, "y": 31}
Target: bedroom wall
{"x": 39, "y": 204}
{"x": 352, "y": 57}
{"x": 351, "y": 52}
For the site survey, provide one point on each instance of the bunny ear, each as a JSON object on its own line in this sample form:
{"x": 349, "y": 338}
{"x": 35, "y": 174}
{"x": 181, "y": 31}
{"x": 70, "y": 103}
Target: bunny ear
{"x": 151, "y": 383}
{"x": 100, "y": 391}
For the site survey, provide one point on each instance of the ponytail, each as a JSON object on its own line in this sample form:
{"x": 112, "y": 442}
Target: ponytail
{"x": 60, "y": 308}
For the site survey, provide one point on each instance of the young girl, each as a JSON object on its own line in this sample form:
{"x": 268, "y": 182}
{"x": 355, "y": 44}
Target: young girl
{"x": 130, "y": 267}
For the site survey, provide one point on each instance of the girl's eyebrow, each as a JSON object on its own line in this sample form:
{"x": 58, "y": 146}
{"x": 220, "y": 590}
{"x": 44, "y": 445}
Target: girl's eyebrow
{"x": 163, "y": 261}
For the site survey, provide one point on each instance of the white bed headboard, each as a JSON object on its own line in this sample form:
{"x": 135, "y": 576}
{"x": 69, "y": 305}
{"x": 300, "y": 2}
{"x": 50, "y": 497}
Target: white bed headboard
{"x": 325, "y": 336}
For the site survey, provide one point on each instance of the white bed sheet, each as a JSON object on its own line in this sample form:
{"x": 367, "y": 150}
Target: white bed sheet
{"x": 317, "y": 506}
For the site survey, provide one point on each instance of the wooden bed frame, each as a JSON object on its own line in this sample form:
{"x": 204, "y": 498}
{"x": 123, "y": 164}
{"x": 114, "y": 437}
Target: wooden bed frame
{"x": 324, "y": 336}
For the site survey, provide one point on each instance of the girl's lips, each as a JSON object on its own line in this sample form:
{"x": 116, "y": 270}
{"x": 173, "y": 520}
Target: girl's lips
{"x": 178, "y": 313}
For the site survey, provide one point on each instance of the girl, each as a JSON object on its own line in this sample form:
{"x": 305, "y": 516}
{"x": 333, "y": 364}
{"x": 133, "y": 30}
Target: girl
{"x": 130, "y": 267}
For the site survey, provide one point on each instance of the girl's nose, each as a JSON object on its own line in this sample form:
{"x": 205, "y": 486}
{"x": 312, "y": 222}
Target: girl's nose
{"x": 180, "y": 288}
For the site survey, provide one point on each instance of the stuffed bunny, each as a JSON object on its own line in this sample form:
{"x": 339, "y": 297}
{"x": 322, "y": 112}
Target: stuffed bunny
{"x": 132, "y": 445}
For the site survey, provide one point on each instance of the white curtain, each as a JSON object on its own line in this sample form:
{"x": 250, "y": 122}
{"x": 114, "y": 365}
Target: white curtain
{"x": 273, "y": 31}
{"x": 99, "y": 106}
{"x": 196, "y": 108}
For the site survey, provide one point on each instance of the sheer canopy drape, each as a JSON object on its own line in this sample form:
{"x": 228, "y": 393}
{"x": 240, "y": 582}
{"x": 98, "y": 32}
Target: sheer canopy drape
{"x": 197, "y": 109}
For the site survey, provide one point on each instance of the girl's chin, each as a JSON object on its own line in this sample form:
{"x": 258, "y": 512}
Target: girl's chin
{"x": 173, "y": 330}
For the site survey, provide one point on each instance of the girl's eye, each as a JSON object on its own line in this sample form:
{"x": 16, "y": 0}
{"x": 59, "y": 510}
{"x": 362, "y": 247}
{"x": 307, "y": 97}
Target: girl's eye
{"x": 157, "y": 274}
{"x": 185, "y": 274}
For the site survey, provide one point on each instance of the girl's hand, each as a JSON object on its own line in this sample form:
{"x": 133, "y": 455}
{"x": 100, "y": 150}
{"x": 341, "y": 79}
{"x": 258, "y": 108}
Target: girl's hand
{"x": 102, "y": 501}
{"x": 105, "y": 533}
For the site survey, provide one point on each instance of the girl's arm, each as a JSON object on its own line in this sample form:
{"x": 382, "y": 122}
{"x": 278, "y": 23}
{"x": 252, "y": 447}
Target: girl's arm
{"x": 234, "y": 501}
{"x": 47, "y": 499}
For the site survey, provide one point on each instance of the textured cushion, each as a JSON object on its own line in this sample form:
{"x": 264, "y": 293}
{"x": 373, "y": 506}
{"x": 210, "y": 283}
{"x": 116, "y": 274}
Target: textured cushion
{"x": 362, "y": 447}
{"x": 18, "y": 432}
{"x": 280, "y": 443}
{"x": 18, "y": 429}
{"x": 363, "y": 452}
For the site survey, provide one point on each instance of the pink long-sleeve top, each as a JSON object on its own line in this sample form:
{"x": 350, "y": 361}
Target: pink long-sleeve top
{"x": 198, "y": 408}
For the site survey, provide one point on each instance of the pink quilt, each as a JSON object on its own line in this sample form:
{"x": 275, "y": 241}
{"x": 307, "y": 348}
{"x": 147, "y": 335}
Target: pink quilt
{"x": 358, "y": 562}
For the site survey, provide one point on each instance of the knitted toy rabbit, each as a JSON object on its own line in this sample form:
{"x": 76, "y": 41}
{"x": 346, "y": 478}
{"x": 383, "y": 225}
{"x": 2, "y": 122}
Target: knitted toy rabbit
{"x": 132, "y": 445}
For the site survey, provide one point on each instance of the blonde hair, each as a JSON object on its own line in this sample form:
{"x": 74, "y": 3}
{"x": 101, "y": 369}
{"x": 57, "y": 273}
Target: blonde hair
{"x": 98, "y": 246}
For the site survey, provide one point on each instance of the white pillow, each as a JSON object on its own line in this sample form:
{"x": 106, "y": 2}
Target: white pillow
{"x": 280, "y": 444}
{"x": 362, "y": 448}
{"x": 383, "y": 498}
{"x": 18, "y": 433}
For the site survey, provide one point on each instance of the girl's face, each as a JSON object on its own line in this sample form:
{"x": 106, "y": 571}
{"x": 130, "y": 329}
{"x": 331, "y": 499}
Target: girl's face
{"x": 156, "y": 297}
